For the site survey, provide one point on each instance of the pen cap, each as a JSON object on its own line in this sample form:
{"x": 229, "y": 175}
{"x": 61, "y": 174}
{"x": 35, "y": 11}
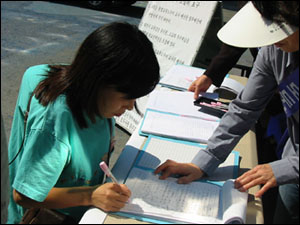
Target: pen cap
{"x": 104, "y": 167}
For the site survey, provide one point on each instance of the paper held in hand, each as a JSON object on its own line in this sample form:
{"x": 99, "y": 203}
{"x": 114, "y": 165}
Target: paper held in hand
{"x": 180, "y": 77}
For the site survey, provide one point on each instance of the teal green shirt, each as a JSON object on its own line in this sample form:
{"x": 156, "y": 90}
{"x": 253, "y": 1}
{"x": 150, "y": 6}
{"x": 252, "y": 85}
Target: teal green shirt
{"x": 56, "y": 152}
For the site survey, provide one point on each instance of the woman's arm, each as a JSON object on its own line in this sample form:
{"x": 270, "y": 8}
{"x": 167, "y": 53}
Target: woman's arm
{"x": 109, "y": 197}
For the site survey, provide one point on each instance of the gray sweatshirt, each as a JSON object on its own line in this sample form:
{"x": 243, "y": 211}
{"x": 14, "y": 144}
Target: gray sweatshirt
{"x": 272, "y": 65}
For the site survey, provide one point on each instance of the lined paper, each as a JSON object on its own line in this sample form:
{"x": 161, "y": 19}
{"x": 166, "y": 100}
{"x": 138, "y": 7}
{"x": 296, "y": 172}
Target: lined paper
{"x": 180, "y": 127}
{"x": 166, "y": 197}
{"x": 179, "y": 102}
{"x": 157, "y": 150}
{"x": 196, "y": 202}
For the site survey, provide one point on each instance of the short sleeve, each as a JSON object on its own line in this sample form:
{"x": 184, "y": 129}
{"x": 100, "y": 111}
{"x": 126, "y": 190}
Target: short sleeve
{"x": 113, "y": 127}
{"x": 43, "y": 160}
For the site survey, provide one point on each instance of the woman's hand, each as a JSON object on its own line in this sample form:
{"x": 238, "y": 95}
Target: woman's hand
{"x": 189, "y": 171}
{"x": 110, "y": 196}
{"x": 200, "y": 85}
{"x": 261, "y": 174}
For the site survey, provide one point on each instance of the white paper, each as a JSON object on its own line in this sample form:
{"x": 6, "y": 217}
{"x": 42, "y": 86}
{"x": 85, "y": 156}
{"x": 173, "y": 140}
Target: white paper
{"x": 196, "y": 202}
{"x": 181, "y": 76}
{"x": 158, "y": 150}
{"x": 234, "y": 203}
{"x": 180, "y": 127}
{"x": 232, "y": 85}
{"x": 167, "y": 198}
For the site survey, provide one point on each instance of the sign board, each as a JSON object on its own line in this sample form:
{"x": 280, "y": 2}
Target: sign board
{"x": 176, "y": 29}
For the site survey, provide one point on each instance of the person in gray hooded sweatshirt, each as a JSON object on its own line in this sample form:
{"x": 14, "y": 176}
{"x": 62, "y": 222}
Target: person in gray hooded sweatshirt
{"x": 274, "y": 26}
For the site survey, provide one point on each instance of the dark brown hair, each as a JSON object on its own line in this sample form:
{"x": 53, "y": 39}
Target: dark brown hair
{"x": 279, "y": 11}
{"x": 115, "y": 55}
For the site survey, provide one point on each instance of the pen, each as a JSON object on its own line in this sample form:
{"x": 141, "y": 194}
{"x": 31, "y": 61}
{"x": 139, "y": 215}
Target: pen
{"x": 219, "y": 104}
{"x": 107, "y": 171}
{"x": 214, "y": 106}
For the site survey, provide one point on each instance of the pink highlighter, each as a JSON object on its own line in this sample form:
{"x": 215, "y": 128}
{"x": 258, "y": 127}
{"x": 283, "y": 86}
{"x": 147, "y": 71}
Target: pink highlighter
{"x": 107, "y": 171}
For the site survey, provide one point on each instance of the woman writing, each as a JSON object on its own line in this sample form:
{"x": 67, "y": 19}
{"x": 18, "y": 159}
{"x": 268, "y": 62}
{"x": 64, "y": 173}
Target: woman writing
{"x": 68, "y": 131}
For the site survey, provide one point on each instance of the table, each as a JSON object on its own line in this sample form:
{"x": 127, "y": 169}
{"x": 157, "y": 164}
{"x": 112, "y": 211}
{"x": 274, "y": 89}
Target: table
{"x": 248, "y": 153}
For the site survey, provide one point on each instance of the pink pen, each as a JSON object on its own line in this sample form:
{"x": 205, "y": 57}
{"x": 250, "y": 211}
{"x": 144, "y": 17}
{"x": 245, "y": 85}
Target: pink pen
{"x": 107, "y": 171}
{"x": 216, "y": 103}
